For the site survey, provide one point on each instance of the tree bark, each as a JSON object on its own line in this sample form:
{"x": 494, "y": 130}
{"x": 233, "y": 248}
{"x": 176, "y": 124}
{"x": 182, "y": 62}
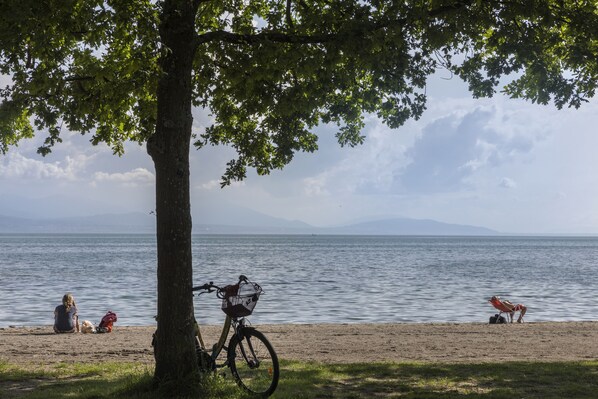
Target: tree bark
{"x": 169, "y": 149}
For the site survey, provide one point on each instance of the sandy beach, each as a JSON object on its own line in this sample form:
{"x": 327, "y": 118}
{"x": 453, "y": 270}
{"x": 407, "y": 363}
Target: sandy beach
{"x": 331, "y": 343}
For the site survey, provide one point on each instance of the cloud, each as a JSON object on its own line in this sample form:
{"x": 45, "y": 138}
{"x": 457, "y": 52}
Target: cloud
{"x": 453, "y": 151}
{"x": 16, "y": 166}
{"x": 316, "y": 186}
{"x": 507, "y": 183}
{"x": 209, "y": 186}
{"x": 214, "y": 184}
{"x": 453, "y": 148}
{"x": 365, "y": 169}
{"x": 136, "y": 177}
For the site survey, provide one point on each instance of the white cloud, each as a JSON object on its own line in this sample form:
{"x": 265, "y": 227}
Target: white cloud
{"x": 209, "y": 186}
{"x": 368, "y": 168}
{"x": 136, "y": 177}
{"x": 316, "y": 186}
{"x": 507, "y": 183}
{"x": 214, "y": 184}
{"x": 452, "y": 148}
{"x": 16, "y": 166}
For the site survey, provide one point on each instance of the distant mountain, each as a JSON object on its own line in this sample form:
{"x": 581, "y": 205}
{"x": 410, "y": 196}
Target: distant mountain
{"x": 241, "y": 222}
{"x": 108, "y": 223}
{"x": 55, "y": 206}
{"x": 227, "y": 215}
{"x": 405, "y": 226}
{"x": 210, "y": 216}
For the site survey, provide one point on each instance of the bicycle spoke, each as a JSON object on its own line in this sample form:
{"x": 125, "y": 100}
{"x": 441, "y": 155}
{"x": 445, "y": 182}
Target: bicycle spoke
{"x": 255, "y": 365}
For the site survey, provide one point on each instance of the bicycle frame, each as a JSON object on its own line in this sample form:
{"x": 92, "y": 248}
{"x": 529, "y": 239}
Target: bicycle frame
{"x": 217, "y": 347}
{"x": 238, "y": 328}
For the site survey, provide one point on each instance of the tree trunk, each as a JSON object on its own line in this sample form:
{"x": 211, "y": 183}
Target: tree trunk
{"x": 169, "y": 149}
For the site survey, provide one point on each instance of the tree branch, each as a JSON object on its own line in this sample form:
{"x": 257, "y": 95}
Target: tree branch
{"x": 449, "y": 8}
{"x": 289, "y": 17}
{"x": 279, "y": 37}
{"x": 76, "y": 78}
{"x": 237, "y": 38}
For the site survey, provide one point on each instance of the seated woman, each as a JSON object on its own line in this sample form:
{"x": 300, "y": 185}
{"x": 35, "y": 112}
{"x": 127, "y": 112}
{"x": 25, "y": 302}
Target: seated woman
{"x": 508, "y": 307}
{"x": 66, "y": 319}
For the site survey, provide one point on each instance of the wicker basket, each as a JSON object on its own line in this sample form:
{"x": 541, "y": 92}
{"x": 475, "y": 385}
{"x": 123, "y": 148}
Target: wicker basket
{"x": 242, "y": 302}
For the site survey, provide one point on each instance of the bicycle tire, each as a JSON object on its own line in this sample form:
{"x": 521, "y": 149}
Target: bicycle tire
{"x": 204, "y": 360}
{"x": 258, "y": 374}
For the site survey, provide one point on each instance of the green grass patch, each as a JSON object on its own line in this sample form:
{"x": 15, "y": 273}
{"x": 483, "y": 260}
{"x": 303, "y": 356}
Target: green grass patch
{"x": 62, "y": 380}
{"x": 302, "y": 380}
{"x": 444, "y": 381}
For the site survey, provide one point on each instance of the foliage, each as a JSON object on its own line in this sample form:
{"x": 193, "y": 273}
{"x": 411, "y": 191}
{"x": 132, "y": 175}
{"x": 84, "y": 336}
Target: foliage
{"x": 82, "y": 65}
{"x": 550, "y": 46}
{"x": 271, "y": 71}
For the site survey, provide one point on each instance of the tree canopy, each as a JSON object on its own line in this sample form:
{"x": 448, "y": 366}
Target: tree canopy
{"x": 271, "y": 71}
{"x": 268, "y": 72}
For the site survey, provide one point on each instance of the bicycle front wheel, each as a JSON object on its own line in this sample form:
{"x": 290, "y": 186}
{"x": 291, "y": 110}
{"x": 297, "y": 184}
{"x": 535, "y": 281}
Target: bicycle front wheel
{"x": 254, "y": 363}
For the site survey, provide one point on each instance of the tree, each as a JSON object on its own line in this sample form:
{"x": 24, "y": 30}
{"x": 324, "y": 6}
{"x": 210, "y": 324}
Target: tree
{"x": 268, "y": 72}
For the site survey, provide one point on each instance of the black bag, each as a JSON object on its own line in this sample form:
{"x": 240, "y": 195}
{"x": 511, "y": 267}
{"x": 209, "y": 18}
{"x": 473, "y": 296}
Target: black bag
{"x": 497, "y": 319}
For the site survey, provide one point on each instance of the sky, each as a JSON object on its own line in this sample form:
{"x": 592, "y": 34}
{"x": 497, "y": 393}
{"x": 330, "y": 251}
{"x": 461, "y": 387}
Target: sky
{"x": 499, "y": 163}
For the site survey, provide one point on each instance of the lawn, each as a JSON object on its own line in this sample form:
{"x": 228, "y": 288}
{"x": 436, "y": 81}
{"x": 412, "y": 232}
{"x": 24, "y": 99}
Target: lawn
{"x": 301, "y": 380}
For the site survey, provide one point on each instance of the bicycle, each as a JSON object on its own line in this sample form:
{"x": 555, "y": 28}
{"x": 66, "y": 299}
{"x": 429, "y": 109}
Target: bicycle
{"x": 249, "y": 355}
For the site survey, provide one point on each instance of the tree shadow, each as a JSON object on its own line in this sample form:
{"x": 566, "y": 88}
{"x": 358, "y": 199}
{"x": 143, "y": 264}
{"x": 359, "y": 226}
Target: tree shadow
{"x": 94, "y": 385}
{"x": 26, "y": 382}
{"x": 442, "y": 381}
{"x": 530, "y": 380}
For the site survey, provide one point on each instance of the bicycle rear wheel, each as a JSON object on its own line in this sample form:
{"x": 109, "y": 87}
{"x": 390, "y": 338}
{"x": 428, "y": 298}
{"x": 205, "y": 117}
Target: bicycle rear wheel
{"x": 253, "y": 363}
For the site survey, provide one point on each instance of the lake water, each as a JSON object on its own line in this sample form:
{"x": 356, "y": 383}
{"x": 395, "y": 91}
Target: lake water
{"x": 307, "y": 279}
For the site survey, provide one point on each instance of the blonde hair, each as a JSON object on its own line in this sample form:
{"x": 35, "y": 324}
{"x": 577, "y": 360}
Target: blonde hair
{"x": 68, "y": 301}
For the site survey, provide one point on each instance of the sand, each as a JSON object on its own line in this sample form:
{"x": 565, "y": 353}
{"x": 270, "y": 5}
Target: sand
{"x": 331, "y": 343}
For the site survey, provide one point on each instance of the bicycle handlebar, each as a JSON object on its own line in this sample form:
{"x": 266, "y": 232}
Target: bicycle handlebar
{"x": 210, "y": 287}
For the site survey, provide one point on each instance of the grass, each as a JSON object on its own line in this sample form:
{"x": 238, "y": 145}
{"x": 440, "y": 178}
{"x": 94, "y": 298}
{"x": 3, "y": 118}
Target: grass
{"x": 302, "y": 380}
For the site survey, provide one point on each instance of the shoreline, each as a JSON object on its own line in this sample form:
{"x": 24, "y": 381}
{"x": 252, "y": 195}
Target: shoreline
{"x": 330, "y": 343}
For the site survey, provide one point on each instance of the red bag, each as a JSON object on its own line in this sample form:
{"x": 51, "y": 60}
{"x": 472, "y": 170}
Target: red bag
{"x": 107, "y": 321}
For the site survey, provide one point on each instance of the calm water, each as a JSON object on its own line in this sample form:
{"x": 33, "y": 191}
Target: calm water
{"x": 307, "y": 279}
